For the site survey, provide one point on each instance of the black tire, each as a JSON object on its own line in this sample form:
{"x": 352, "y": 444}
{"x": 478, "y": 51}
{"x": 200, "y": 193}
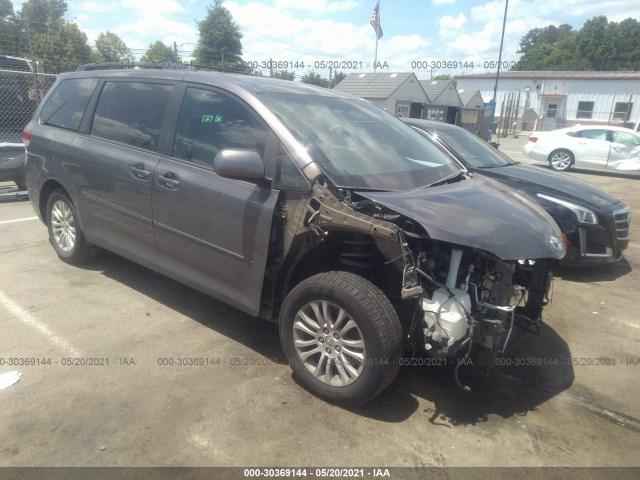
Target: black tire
{"x": 76, "y": 251}
{"x": 561, "y": 160}
{"x": 376, "y": 323}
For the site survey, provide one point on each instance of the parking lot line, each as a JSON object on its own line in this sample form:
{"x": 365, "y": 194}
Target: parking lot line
{"x": 25, "y": 317}
{"x": 16, "y": 220}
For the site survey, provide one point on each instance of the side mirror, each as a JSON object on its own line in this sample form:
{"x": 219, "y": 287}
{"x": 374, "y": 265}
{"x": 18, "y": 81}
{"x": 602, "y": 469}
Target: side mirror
{"x": 240, "y": 164}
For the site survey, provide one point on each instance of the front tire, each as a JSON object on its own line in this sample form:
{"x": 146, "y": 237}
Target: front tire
{"x": 341, "y": 336}
{"x": 561, "y": 160}
{"x": 65, "y": 234}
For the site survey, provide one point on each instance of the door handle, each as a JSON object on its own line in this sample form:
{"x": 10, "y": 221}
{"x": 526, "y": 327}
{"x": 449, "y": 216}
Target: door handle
{"x": 138, "y": 171}
{"x": 168, "y": 180}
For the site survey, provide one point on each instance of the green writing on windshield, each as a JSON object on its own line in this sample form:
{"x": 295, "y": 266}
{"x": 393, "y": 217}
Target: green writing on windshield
{"x": 206, "y": 118}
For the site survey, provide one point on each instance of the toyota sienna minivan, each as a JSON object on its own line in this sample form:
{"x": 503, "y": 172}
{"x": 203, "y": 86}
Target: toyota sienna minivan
{"x": 307, "y": 207}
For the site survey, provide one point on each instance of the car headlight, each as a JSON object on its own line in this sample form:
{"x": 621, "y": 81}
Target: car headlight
{"x": 583, "y": 214}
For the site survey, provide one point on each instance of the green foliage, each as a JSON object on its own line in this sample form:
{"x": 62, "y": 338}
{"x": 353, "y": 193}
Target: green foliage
{"x": 159, "y": 52}
{"x": 63, "y": 47}
{"x": 599, "y": 45}
{"x": 285, "y": 75}
{"x": 337, "y": 78}
{"x": 6, "y": 9}
{"x": 447, "y": 77}
{"x": 111, "y": 48}
{"x": 43, "y": 14}
{"x": 58, "y": 45}
{"x": 313, "y": 78}
{"x": 219, "y": 42}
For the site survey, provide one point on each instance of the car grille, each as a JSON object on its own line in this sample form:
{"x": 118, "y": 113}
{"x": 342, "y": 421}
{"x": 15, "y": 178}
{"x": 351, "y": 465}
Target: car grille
{"x": 622, "y": 220}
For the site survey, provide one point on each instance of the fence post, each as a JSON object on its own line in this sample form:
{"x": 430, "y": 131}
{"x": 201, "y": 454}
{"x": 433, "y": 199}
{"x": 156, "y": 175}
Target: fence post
{"x": 33, "y": 62}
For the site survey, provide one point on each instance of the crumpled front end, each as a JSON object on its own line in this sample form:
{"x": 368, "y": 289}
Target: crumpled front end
{"x": 455, "y": 294}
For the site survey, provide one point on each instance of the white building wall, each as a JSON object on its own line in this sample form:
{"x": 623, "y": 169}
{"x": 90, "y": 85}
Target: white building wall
{"x": 603, "y": 92}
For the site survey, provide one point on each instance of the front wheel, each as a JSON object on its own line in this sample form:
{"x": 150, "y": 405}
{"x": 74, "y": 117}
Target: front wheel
{"x": 561, "y": 160}
{"x": 64, "y": 230}
{"x": 341, "y": 336}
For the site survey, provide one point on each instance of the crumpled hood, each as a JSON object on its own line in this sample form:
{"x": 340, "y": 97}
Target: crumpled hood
{"x": 481, "y": 213}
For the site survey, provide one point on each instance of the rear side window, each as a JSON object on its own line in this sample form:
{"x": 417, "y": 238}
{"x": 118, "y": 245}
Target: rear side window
{"x": 210, "y": 122}
{"x": 595, "y": 134}
{"x": 66, "y": 105}
{"x": 131, "y": 113}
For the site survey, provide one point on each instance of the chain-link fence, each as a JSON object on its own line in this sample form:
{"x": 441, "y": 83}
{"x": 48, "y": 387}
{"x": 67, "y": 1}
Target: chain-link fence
{"x": 18, "y": 101}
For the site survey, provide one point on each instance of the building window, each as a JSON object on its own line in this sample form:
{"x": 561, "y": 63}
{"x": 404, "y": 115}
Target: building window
{"x": 402, "y": 111}
{"x": 552, "y": 109}
{"x": 435, "y": 114}
{"x": 585, "y": 110}
{"x": 622, "y": 111}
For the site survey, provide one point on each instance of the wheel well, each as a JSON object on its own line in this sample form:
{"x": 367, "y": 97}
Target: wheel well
{"x": 45, "y": 193}
{"x": 343, "y": 251}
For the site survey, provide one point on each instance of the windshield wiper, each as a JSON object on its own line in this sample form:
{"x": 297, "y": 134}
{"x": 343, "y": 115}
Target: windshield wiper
{"x": 445, "y": 179}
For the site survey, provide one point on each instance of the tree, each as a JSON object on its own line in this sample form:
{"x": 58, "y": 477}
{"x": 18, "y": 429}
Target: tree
{"x": 313, "y": 78}
{"x": 6, "y": 9}
{"x": 337, "y": 78}
{"x": 58, "y": 45}
{"x": 63, "y": 47}
{"x": 111, "y": 48}
{"x": 549, "y": 35}
{"x": 285, "y": 75}
{"x": 598, "y": 45}
{"x": 43, "y": 14}
{"x": 159, "y": 52}
{"x": 447, "y": 77}
{"x": 219, "y": 42}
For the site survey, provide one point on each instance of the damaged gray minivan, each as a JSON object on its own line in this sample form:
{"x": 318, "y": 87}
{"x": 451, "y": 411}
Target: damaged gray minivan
{"x": 302, "y": 205}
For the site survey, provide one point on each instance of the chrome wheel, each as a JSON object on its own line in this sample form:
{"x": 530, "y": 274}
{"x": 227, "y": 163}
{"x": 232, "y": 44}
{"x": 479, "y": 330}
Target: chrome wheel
{"x": 560, "y": 160}
{"x": 329, "y": 343}
{"x": 63, "y": 226}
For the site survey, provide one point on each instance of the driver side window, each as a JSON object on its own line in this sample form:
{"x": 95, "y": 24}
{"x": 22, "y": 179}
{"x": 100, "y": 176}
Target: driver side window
{"x": 209, "y": 122}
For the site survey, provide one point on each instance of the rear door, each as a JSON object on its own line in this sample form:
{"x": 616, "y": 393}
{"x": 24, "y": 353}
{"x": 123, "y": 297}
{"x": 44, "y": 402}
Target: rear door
{"x": 591, "y": 147}
{"x": 213, "y": 232}
{"x": 115, "y": 162}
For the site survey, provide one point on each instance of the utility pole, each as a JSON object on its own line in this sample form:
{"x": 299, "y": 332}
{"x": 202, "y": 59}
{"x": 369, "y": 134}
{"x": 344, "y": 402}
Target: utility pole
{"x": 33, "y": 63}
{"x": 495, "y": 87}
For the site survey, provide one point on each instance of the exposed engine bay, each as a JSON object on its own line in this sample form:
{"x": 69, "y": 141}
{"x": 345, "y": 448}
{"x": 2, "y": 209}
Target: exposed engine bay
{"x": 452, "y": 299}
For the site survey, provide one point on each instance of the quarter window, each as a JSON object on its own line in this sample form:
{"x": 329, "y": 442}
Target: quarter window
{"x": 585, "y": 110}
{"x": 131, "y": 113}
{"x": 66, "y": 105}
{"x": 210, "y": 122}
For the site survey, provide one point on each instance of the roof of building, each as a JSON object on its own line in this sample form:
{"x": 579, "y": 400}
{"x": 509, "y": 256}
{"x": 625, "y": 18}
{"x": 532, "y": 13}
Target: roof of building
{"x": 372, "y": 85}
{"x": 586, "y": 75}
{"x": 466, "y": 96}
{"x": 433, "y": 88}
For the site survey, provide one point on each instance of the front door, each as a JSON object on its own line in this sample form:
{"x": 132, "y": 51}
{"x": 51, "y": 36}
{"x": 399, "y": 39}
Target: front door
{"x": 213, "y": 232}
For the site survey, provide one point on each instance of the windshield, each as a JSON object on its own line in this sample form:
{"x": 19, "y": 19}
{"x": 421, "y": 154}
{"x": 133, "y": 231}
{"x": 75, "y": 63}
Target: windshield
{"x": 472, "y": 150}
{"x": 359, "y": 145}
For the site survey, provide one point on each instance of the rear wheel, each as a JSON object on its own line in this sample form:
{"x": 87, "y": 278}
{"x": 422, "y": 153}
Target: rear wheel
{"x": 561, "y": 160}
{"x": 341, "y": 336}
{"x": 64, "y": 230}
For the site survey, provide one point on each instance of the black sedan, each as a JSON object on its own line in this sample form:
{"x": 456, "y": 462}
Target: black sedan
{"x": 12, "y": 164}
{"x": 595, "y": 224}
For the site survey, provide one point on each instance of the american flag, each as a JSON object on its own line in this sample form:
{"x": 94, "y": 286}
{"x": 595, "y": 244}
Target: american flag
{"x": 375, "y": 20}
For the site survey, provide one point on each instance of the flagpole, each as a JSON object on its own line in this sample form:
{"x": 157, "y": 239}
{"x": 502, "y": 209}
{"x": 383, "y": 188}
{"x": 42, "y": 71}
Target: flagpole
{"x": 375, "y": 62}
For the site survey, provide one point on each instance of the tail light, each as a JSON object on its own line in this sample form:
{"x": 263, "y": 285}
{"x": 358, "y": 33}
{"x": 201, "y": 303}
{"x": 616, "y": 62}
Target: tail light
{"x": 26, "y": 137}
{"x": 533, "y": 139}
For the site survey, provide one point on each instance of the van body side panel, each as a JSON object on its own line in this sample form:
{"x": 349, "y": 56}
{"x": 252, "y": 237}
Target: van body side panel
{"x": 213, "y": 232}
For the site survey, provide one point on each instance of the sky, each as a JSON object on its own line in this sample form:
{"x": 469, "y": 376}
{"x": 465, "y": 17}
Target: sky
{"x": 419, "y": 35}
